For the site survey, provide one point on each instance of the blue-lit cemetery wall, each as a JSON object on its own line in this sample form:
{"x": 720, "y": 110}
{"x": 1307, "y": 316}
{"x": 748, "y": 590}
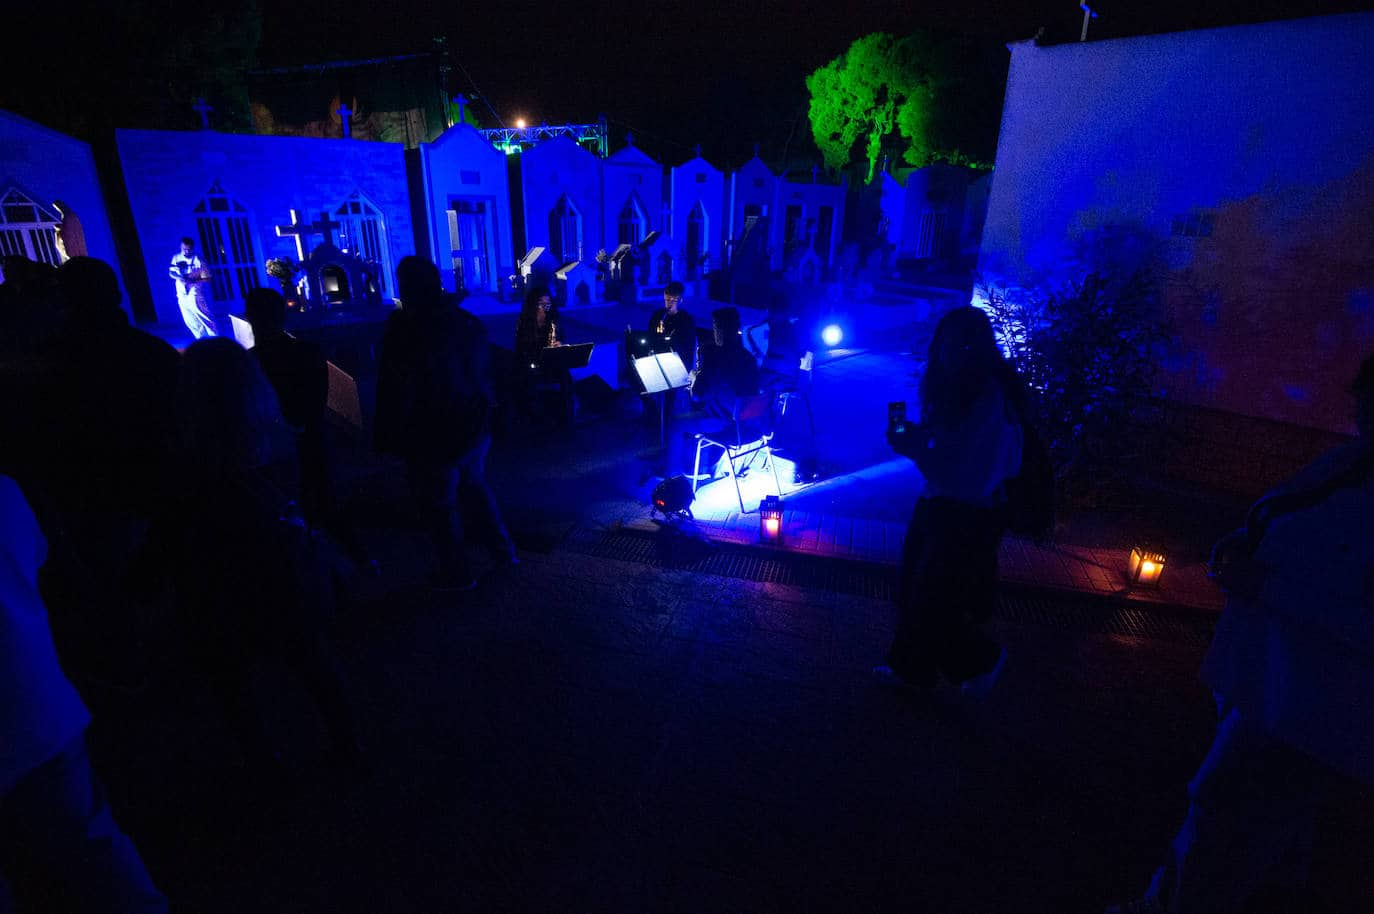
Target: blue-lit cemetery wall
{"x": 467, "y": 197}
{"x": 43, "y": 166}
{"x": 550, "y": 172}
{"x": 696, "y": 202}
{"x": 632, "y": 202}
{"x": 253, "y": 182}
{"x": 754, "y": 191}
{"x": 1245, "y": 157}
{"x": 819, "y": 211}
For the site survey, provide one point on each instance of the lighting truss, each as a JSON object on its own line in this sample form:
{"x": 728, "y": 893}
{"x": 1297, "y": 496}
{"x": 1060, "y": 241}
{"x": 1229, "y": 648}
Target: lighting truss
{"x": 508, "y": 139}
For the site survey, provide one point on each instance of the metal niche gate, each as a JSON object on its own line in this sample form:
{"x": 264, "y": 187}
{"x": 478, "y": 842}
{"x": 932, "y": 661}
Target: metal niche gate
{"x": 27, "y": 229}
{"x": 362, "y": 232}
{"x": 226, "y": 246}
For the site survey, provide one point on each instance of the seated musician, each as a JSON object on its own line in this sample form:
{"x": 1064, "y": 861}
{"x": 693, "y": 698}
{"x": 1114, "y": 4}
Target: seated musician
{"x": 537, "y": 330}
{"x": 674, "y": 325}
{"x": 725, "y": 374}
{"x": 782, "y": 352}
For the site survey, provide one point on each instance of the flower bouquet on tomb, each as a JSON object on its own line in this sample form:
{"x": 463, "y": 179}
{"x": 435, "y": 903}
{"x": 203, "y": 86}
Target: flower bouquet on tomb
{"x": 284, "y": 271}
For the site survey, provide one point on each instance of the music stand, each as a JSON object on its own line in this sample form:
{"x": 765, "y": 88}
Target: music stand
{"x": 659, "y": 373}
{"x": 526, "y": 264}
{"x": 565, "y": 358}
{"x": 641, "y": 343}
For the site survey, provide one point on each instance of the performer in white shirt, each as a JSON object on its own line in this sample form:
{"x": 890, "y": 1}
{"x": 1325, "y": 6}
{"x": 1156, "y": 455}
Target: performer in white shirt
{"x": 190, "y": 274}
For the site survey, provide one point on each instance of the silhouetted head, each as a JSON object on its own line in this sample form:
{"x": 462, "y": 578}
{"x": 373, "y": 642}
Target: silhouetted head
{"x": 725, "y": 326}
{"x": 89, "y": 287}
{"x": 188, "y": 245}
{"x": 962, "y": 360}
{"x": 418, "y": 282}
{"x": 1363, "y": 389}
{"x": 266, "y": 312}
{"x": 226, "y": 410}
{"x": 537, "y": 305}
{"x": 24, "y": 278}
{"x": 672, "y": 295}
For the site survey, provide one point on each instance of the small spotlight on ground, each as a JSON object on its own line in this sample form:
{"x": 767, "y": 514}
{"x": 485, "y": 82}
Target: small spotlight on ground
{"x": 832, "y": 335}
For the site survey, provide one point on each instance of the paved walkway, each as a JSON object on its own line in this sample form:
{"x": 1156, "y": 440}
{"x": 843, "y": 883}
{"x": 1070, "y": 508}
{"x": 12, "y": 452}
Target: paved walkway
{"x": 1085, "y": 569}
{"x": 585, "y": 734}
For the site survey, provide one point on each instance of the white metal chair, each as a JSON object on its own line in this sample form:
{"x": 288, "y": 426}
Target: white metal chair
{"x": 751, "y": 415}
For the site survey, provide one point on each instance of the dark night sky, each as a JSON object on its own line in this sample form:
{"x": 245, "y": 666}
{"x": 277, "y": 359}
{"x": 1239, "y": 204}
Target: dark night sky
{"x": 721, "y": 72}
{"x": 724, "y": 73}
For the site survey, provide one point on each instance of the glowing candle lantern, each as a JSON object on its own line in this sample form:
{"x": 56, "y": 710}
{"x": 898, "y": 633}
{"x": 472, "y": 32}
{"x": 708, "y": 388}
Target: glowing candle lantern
{"x": 770, "y": 520}
{"x": 1146, "y": 566}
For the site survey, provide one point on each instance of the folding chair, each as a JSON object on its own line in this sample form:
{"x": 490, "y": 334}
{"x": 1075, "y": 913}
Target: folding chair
{"x": 794, "y": 385}
{"x": 750, "y": 414}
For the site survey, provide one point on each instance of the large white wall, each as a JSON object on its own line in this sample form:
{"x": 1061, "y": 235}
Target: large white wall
{"x": 1264, "y": 129}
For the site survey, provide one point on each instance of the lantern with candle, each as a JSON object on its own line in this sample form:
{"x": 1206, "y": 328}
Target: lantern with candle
{"x": 1146, "y": 565}
{"x": 770, "y": 520}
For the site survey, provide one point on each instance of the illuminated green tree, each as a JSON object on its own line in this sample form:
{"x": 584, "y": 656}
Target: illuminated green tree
{"x": 883, "y": 88}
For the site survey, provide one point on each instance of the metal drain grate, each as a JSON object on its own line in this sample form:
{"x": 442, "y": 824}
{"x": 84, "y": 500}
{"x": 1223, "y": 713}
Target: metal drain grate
{"x": 669, "y": 550}
{"x": 1102, "y": 616}
{"x": 1074, "y": 612}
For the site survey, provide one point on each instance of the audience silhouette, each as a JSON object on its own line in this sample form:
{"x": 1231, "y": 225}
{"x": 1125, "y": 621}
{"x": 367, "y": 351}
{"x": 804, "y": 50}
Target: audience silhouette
{"x": 249, "y": 582}
{"x": 1290, "y": 666}
{"x": 967, "y": 444}
{"x": 434, "y": 403}
{"x": 60, "y": 847}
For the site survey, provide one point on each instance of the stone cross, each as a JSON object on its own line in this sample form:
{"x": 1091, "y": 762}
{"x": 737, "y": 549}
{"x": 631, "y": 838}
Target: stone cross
{"x": 204, "y": 111}
{"x": 698, "y": 149}
{"x": 462, "y": 104}
{"x": 325, "y": 226}
{"x": 344, "y": 114}
{"x": 756, "y": 150}
{"x": 302, "y": 231}
{"x": 630, "y": 138}
{"x": 298, "y": 230}
{"x": 814, "y": 170}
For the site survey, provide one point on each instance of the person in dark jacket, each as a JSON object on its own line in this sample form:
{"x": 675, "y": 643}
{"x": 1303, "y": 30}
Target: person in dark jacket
{"x": 60, "y": 847}
{"x": 434, "y": 401}
{"x": 250, "y": 583}
{"x": 299, "y": 374}
{"x": 94, "y": 450}
{"x": 967, "y": 444}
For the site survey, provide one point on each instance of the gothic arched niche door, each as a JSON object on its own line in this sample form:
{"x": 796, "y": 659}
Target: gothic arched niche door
{"x": 565, "y": 231}
{"x": 696, "y": 239}
{"x": 633, "y": 223}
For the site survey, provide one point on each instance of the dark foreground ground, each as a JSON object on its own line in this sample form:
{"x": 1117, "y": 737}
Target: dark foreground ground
{"x": 585, "y": 733}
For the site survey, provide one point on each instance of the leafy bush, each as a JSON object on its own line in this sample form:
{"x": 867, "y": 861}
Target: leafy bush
{"x": 1088, "y": 350}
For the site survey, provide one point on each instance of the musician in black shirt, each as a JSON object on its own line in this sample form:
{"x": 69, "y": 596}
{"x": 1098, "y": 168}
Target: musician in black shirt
{"x": 675, "y": 325}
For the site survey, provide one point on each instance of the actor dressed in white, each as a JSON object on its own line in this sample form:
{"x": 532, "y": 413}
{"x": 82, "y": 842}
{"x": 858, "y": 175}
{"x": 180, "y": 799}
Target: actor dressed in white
{"x": 190, "y": 276}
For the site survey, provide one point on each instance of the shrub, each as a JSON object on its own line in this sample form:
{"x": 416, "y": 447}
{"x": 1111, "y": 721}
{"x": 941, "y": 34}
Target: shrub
{"x": 1088, "y": 351}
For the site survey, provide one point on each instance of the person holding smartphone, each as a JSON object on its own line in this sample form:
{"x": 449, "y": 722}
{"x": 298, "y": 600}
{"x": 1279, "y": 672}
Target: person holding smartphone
{"x": 967, "y": 444}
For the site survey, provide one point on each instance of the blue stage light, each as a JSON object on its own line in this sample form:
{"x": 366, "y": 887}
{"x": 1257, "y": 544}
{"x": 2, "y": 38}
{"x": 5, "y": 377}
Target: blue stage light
{"x": 832, "y": 334}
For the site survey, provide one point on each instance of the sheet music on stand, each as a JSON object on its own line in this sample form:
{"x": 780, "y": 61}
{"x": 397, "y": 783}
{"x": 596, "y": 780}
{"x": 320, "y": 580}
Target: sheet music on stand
{"x": 662, "y": 371}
